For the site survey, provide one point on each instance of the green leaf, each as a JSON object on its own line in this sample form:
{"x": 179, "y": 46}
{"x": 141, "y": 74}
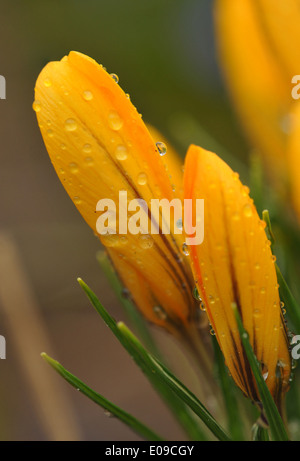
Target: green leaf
{"x": 180, "y": 411}
{"x": 113, "y": 409}
{"x": 266, "y": 218}
{"x": 160, "y": 377}
{"x": 292, "y": 306}
{"x": 235, "y": 423}
{"x": 131, "y": 311}
{"x": 274, "y": 419}
{"x": 166, "y": 377}
{"x": 260, "y": 434}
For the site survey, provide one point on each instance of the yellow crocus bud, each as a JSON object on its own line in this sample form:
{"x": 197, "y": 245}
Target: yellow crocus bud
{"x": 99, "y": 147}
{"x": 235, "y": 265}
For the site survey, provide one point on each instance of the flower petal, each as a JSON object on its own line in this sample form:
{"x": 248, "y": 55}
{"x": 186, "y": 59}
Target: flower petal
{"x": 234, "y": 264}
{"x": 100, "y": 146}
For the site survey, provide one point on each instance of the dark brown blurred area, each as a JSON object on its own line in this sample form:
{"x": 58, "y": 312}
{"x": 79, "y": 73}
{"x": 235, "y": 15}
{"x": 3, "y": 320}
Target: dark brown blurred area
{"x": 163, "y": 53}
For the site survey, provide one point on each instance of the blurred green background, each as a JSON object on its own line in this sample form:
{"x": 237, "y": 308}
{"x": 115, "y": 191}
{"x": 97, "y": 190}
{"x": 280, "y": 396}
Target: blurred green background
{"x": 164, "y": 54}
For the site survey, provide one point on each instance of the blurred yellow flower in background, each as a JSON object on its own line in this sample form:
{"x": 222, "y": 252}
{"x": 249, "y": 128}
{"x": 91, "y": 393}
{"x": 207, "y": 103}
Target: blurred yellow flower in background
{"x": 258, "y": 44}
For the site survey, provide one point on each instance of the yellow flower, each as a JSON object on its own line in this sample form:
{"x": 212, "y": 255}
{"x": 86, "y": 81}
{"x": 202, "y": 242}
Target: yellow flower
{"x": 258, "y": 45}
{"x": 294, "y": 157}
{"x": 234, "y": 264}
{"x": 99, "y": 146}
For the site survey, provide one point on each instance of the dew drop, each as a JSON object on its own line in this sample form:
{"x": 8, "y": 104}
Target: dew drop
{"x": 123, "y": 240}
{"x": 50, "y": 133}
{"x": 114, "y": 121}
{"x": 196, "y": 294}
{"x": 115, "y": 77}
{"x": 247, "y": 210}
{"x": 87, "y": 95}
{"x": 89, "y": 161}
{"x": 236, "y": 217}
{"x": 77, "y": 200}
{"x": 36, "y": 106}
{"x": 179, "y": 224}
{"x": 142, "y": 179}
{"x": 70, "y": 124}
{"x": 162, "y": 148}
{"x": 264, "y": 370}
{"x": 47, "y": 82}
{"x": 211, "y": 299}
{"x": 280, "y": 369}
{"x": 146, "y": 241}
{"x": 110, "y": 240}
{"x": 87, "y": 149}
{"x": 73, "y": 167}
{"x": 185, "y": 249}
{"x": 121, "y": 152}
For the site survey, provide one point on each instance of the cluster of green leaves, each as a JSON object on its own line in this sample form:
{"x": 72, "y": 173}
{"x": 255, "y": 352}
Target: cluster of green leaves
{"x": 187, "y": 408}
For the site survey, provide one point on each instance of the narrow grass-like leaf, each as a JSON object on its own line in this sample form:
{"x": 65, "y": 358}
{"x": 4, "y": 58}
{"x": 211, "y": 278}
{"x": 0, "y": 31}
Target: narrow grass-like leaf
{"x": 266, "y": 218}
{"x": 292, "y": 306}
{"x": 180, "y": 411}
{"x": 165, "y": 376}
{"x": 113, "y": 409}
{"x": 274, "y": 419}
{"x": 157, "y": 373}
{"x": 256, "y": 181}
{"x": 260, "y": 434}
{"x": 133, "y": 314}
{"x": 235, "y": 423}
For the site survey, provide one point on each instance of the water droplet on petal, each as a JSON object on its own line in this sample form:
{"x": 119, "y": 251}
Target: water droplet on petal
{"x": 87, "y": 148}
{"x": 47, "y": 82}
{"x": 87, "y": 95}
{"x": 185, "y": 249}
{"x": 89, "y": 161}
{"x": 264, "y": 370}
{"x": 121, "y": 152}
{"x": 247, "y": 210}
{"x": 77, "y": 200}
{"x": 142, "y": 179}
{"x": 162, "y": 148}
{"x": 73, "y": 167}
{"x": 236, "y": 216}
{"x": 211, "y": 299}
{"x": 70, "y": 124}
{"x": 114, "y": 121}
{"x": 179, "y": 224}
{"x": 50, "y": 133}
{"x": 115, "y": 77}
{"x": 36, "y": 106}
{"x": 146, "y": 241}
{"x": 196, "y": 294}
{"x": 110, "y": 240}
